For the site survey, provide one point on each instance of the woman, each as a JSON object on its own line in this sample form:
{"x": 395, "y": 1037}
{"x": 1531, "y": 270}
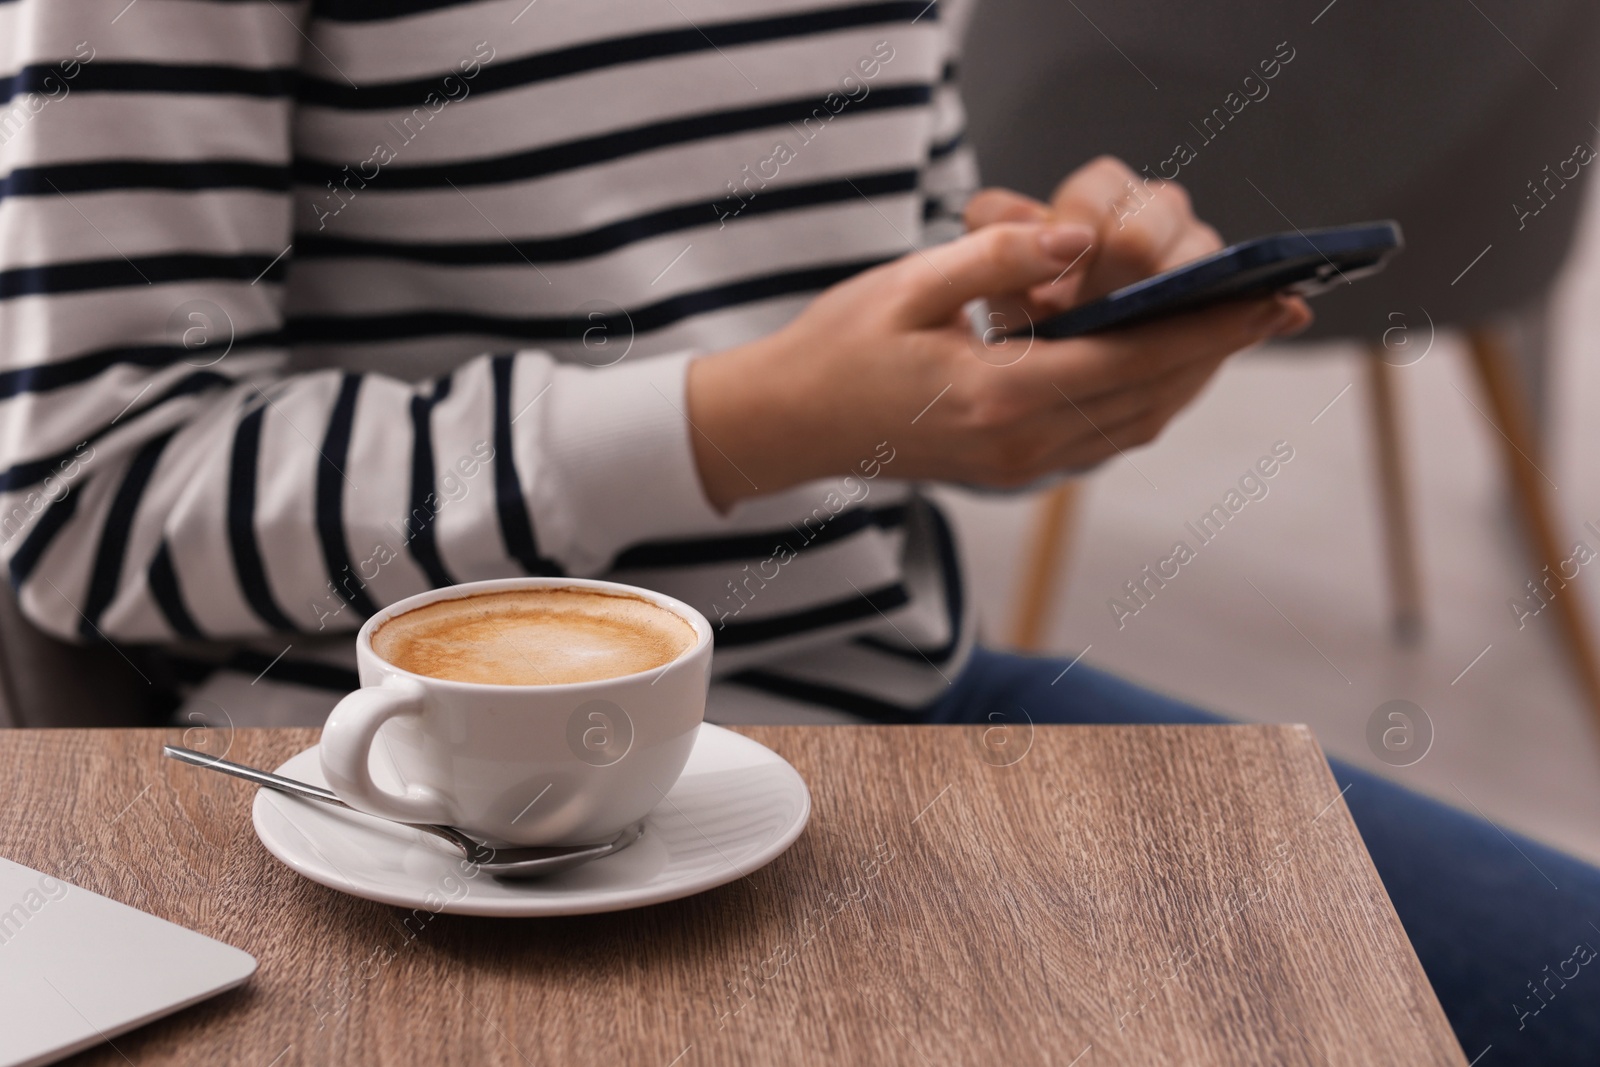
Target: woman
{"x": 307, "y": 310}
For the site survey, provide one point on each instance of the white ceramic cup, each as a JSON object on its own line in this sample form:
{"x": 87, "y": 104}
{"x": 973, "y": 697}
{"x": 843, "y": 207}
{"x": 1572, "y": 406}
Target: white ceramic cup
{"x": 517, "y": 764}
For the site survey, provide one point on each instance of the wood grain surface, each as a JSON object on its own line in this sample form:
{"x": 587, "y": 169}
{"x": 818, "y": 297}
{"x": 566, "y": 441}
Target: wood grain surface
{"x": 1076, "y": 895}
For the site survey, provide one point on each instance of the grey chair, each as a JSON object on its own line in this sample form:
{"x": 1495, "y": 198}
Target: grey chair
{"x": 1459, "y": 119}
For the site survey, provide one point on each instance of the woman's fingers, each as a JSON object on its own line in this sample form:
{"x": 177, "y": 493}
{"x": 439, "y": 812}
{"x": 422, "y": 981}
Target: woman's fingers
{"x": 1007, "y": 257}
{"x": 1139, "y": 222}
{"x": 1111, "y": 410}
{"x": 1192, "y": 242}
{"x": 1198, "y": 240}
{"x": 1142, "y": 355}
{"x": 989, "y": 206}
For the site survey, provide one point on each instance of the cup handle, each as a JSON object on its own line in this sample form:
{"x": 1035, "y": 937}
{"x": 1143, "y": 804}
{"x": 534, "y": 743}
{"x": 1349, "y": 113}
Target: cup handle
{"x": 347, "y": 743}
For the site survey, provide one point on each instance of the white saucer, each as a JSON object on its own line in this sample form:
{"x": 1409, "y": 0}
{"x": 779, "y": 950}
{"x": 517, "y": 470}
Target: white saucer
{"x": 736, "y": 808}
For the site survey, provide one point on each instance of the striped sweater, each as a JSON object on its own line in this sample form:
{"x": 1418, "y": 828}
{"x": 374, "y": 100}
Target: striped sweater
{"x": 305, "y": 308}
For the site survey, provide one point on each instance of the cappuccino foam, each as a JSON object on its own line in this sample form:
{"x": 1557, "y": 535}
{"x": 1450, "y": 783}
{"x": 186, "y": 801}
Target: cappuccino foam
{"x": 547, "y": 636}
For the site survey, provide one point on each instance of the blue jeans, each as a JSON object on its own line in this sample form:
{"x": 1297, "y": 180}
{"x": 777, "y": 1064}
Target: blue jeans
{"x": 1499, "y": 922}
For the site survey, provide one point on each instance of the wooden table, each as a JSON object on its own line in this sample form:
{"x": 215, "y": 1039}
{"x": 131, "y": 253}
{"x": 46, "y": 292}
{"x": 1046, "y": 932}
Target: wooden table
{"x": 1140, "y": 895}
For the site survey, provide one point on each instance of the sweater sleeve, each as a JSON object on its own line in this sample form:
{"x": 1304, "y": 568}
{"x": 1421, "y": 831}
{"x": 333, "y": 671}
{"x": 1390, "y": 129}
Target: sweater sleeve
{"x": 164, "y": 472}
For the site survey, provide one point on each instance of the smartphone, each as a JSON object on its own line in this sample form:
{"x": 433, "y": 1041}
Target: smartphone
{"x": 1305, "y": 262}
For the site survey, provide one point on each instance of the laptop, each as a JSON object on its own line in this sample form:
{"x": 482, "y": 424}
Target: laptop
{"x": 77, "y": 969}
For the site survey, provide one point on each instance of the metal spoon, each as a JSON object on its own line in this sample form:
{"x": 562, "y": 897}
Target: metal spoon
{"x": 532, "y": 861}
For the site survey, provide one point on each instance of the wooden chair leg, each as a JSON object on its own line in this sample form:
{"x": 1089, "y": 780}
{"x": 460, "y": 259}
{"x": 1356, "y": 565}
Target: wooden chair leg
{"x": 1491, "y": 359}
{"x": 1405, "y": 582}
{"x": 1044, "y": 565}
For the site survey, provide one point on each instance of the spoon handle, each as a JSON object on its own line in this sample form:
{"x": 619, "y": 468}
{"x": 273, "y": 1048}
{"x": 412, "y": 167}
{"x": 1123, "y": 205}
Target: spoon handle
{"x": 251, "y": 774}
{"x": 467, "y": 845}
{"x": 525, "y": 862}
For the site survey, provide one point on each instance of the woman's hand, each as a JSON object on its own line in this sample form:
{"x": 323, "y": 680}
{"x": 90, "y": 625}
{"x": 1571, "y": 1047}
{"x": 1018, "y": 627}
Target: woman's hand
{"x": 1141, "y": 228}
{"x": 889, "y": 356}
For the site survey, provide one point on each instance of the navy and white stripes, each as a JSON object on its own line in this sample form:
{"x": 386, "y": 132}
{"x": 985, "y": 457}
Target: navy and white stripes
{"x": 301, "y": 315}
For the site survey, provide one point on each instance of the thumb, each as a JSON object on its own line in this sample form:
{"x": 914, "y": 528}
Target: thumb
{"x": 989, "y": 206}
{"x": 1000, "y": 259}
